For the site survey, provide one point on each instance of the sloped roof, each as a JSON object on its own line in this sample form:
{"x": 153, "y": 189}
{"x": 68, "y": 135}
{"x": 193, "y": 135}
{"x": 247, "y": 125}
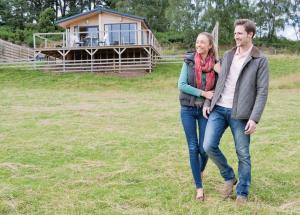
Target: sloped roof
{"x": 101, "y": 10}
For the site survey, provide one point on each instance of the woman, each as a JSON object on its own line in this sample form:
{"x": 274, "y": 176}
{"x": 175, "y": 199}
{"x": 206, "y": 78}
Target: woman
{"x": 196, "y": 84}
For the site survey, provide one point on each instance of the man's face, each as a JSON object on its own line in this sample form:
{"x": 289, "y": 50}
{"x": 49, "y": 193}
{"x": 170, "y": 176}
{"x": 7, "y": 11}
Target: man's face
{"x": 241, "y": 37}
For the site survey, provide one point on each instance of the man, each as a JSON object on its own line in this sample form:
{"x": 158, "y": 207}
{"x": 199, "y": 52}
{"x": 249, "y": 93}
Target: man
{"x": 239, "y": 100}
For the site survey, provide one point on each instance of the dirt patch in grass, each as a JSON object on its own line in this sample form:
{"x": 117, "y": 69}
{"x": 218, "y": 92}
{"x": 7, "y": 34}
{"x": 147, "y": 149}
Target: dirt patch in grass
{"x": 14, "y": 167}
{"x": 293, "y": 206}
{"x": 291, "y": 81}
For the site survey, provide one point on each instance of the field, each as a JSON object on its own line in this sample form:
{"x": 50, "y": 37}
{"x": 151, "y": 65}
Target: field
{"x": 91, "y": 144}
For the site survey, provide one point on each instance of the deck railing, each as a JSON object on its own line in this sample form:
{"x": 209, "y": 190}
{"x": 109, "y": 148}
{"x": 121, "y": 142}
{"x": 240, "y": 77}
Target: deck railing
{"x": 95, "y": 65}
{"x": 94, "y": 39}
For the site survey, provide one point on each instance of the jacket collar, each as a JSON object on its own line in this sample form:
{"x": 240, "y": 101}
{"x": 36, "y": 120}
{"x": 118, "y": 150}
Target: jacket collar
{"x": 189, "y": 57}
{"x": 255, "y": 52}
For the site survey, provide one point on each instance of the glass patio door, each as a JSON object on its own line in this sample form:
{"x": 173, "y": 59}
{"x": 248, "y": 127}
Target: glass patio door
{"x": 90, "y": 35}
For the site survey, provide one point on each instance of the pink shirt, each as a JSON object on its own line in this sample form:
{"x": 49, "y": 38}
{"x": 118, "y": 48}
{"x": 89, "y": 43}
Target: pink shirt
{"x": 226, "y": 98}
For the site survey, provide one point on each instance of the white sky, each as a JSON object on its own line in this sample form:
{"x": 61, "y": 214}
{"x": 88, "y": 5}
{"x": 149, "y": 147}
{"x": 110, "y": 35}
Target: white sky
{"x": 288, "y": 32}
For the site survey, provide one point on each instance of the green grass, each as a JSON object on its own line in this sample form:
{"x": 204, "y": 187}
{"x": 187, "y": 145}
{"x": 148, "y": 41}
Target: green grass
{"x": 91, "y": 144}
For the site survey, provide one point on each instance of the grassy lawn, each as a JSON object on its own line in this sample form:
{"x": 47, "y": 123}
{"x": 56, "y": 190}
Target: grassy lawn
{"x": 92, "y": 144}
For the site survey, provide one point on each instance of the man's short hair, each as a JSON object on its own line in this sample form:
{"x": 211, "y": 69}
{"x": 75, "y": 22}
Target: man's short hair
{"x": 248, "y": 24}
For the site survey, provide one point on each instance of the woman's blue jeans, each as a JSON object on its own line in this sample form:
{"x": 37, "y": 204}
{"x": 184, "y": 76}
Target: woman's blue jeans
{"x": 193, "y": 121}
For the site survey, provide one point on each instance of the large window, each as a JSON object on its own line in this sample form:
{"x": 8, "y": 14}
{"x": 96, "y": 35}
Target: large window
{"x": 89, "y": 31}
{"x": 121, "y": 33}
{"x": 89, "y": 35}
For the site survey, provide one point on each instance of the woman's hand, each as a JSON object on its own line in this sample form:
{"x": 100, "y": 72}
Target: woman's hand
{"x": 207, "y": 94}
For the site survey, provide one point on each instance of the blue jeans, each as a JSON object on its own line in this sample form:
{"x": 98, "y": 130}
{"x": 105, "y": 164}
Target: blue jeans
{"x": 190, "y": 117}
{"x": 218, "y": 121}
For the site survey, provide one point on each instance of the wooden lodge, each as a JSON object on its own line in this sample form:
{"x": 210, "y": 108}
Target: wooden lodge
{"x": 98, "y": 40}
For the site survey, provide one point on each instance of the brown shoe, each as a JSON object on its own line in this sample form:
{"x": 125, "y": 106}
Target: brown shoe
{"x": 228, "y": 188}
{"x": 241, "y": 200}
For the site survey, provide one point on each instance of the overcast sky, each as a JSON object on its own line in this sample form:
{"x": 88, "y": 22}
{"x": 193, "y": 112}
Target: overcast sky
{"x": 288, "y": 32}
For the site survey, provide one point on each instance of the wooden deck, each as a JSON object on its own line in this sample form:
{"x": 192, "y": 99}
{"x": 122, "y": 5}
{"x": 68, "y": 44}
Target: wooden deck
{"x": 98, "y": 56}
{"x": 57, "y": 51}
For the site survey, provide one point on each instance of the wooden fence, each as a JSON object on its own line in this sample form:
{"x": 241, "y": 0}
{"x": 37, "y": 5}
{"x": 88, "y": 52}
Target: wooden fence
{"x": 97, "y": 65}
{"x": 12, "y": 52}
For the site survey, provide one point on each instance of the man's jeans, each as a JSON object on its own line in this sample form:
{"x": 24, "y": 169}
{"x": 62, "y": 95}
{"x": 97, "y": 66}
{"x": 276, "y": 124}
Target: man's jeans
{"x": 190, "y": 116}
{"x": 219, "y": 120}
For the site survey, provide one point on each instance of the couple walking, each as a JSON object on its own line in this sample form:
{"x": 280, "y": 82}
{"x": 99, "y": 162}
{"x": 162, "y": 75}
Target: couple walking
{"x": 215, "y": 96}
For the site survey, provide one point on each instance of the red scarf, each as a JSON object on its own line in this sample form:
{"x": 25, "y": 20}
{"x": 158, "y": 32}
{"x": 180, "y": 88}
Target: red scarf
{"x": 206, "y": 66}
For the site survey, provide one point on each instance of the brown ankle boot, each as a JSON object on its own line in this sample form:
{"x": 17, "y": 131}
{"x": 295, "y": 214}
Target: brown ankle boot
{"x": 228, "y": 188}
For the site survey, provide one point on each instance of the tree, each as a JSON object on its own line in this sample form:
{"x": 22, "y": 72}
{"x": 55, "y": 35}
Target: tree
{"x": 62, "y": 5}
{"x": 81, "y": 5}
{"x": 46, "y": 21}
{"x": 271, "y": 16}
{"x": 91, "y": 4}
{"x": 18, "y": 14}
{"x": 4, "y": 12}
{"x": 293, "y": 16}
{"x": 225, "y": 12}
{"x": 179, "y": 15}
{"x": 38, "y": 6}
{"x": 153, "y": 10}
{"x": 73, "y": 8}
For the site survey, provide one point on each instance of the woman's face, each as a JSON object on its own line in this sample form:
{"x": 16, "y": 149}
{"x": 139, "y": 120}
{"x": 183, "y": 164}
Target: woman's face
{"x": 202, "y": 44}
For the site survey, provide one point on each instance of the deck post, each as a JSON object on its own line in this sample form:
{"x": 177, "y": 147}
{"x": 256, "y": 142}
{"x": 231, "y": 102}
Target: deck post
{"x": 36, "y": 53}
{"x": 119, "y": 52}
{"x": 148, "y": 37}
{"x": 64, "y": 38}
{"x": 28, "y": 54}
{"x": 152, "y": 42}
{"x": 34, "y": 45}
{"x": 149, "y": 58}
{"x": 92, "y": 60}
{"x": 91, "y": 53}
{"x": 63, "y": 54}
{"x": 152, "y": 59}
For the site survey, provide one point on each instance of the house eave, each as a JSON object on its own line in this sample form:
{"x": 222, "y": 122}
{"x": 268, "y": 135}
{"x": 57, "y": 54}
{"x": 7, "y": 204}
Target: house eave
{"x": 64, "y": 22}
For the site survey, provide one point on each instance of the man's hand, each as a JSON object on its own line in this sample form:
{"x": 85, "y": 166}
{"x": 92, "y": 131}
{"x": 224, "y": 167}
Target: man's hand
{"x": 207, "y": 94}
{"x": 205, "y": 112}
{"x": 217, "y": 67}
{"x": 250, "y": 127}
